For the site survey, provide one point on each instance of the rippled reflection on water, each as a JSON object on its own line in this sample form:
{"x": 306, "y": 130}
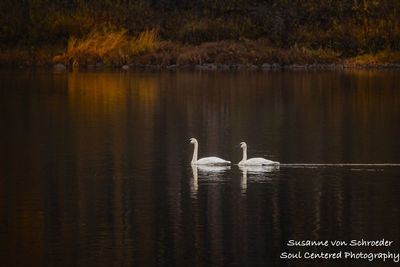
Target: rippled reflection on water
{"x": 95, "y": 167}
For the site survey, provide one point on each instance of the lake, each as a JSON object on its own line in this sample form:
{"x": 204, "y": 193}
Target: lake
{"x": 95, "y": 166}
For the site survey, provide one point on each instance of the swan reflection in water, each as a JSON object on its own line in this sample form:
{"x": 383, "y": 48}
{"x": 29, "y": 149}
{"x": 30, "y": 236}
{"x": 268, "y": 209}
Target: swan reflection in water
{"x": 210, "y": 173}
{"x": 258, "y": 174}
{"x": 214, "y": 173}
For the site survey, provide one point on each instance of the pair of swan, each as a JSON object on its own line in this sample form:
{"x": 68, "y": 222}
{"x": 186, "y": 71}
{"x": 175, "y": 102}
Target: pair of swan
{"x": 215, "y": 161}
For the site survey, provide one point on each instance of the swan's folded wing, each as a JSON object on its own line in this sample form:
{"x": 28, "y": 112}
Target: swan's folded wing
{"x": 260, "y": 161}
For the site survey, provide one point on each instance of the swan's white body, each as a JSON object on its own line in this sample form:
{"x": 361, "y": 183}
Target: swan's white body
{"x": 205, "y": 161}
{"x": 254, "y": 161}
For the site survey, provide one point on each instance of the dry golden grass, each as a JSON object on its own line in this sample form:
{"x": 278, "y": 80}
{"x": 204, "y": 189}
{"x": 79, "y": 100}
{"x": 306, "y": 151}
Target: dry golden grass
{"x": 386, "y": 56}
{"x": 110, "y": 46}
{"x": 117, "y": 48}
{"x": 146, "y": 41}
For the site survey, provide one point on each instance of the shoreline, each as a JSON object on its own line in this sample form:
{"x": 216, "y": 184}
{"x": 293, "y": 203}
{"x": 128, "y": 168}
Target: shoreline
{"x": 247, "y": 55}
{"x": 266, "y": 67}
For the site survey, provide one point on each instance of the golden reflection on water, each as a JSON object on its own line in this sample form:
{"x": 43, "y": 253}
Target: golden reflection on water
{"x": 121, "y": 170}
{"x": 308, "y": 101}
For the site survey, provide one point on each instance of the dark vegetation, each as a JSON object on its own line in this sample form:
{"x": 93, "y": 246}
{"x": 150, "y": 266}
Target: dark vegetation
{"x": 199, "y": 31}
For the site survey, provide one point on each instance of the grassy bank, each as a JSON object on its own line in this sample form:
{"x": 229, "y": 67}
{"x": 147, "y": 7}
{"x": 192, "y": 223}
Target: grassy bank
{"x": 116, "y": 48}
{"x": 113, "y": 33}
{"x": 386, "y": 57}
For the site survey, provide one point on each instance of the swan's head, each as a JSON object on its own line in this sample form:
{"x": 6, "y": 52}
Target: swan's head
{"x": 193, "y": 140}
{"x": 243, "y": 145}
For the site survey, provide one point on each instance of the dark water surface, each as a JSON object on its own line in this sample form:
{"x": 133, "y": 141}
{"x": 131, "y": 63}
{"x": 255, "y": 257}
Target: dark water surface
{"x": 95, "y": 167}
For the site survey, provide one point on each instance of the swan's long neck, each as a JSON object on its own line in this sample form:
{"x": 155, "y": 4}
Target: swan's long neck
{"x": 196, "y": 147}
{"x": 244, "y": 154}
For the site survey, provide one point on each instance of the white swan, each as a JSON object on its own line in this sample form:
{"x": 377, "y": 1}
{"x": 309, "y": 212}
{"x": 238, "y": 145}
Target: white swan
{"x": 254, "y": 161}
{"x": 205, "y": 161}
